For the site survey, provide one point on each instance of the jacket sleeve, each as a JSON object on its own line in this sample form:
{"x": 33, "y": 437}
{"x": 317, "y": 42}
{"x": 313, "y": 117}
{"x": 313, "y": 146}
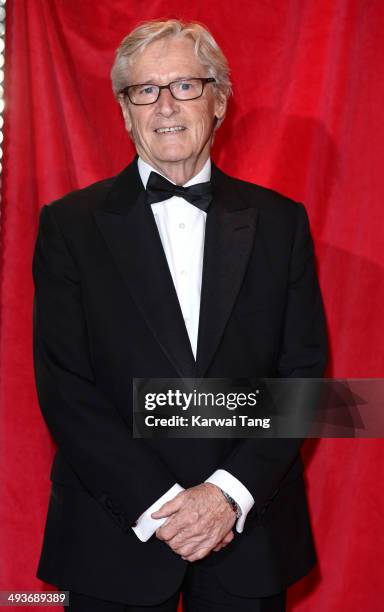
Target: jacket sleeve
{"x": 261, "y": 464}
{"x": 91, "y": 434}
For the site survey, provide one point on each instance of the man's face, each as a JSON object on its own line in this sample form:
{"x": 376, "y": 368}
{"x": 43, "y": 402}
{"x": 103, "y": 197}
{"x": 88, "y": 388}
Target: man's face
{"x": 160, "y": 63}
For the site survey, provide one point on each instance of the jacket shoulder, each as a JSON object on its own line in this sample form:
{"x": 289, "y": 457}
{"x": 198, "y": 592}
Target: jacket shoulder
{"x": 268, "y": 201}
{"x": 86, "y": 199}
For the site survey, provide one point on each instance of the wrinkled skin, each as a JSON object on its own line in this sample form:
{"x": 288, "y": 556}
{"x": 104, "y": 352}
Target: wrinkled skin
{"x": 179, "y": 155}
{"x": 199, "y": 520}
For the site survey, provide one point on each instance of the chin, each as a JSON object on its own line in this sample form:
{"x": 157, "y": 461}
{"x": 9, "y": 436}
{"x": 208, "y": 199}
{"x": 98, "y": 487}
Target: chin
{"x": 172, "y": 154}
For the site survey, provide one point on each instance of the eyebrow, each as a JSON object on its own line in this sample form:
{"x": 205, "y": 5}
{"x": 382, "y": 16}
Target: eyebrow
{"x": 152, "y": 81}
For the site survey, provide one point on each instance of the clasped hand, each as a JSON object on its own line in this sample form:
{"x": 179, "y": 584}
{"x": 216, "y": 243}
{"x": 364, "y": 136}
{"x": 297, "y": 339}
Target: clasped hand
{"x": 199, "y": 520}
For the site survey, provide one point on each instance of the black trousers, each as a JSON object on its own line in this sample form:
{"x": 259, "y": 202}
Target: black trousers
{"x": 201, "y": 592}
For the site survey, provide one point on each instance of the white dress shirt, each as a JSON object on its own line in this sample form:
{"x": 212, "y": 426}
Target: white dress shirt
{"x": 181, "y": 226}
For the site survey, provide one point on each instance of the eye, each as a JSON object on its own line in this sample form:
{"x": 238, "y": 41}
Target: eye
{"x": 147, "y": 90}
{"x": 182, "y": 86}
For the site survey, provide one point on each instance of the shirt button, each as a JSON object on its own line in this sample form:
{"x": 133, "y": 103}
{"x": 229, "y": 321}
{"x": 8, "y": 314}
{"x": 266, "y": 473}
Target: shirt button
{"x": 183, "y": 273}
{"x": 186, "y": 319}
{"x": 181, "y": 225}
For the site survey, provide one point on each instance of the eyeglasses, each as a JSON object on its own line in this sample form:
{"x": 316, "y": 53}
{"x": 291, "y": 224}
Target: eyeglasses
{"x": 182, "y": 89}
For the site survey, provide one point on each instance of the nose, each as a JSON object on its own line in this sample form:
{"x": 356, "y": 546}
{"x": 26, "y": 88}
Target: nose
{"x": 166, "y": 103}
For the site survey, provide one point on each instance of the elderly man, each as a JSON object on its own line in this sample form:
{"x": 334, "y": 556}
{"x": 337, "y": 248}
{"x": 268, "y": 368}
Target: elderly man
{"x": 171, "y": 269}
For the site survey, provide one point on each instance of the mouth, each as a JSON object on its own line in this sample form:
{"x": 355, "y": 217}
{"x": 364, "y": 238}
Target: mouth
{"x": 170, "y": 130}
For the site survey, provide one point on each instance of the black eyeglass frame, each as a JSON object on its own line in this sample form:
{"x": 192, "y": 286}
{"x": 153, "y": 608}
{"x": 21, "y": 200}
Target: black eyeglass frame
{"x": 204, "y": 81}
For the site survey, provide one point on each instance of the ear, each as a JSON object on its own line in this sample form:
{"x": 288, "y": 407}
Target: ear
{"x": 220, "y": 105}
{"x": 126, "y": 113}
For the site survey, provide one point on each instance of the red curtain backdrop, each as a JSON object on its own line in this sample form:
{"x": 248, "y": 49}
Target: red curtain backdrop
{"x": 305, "y": 120}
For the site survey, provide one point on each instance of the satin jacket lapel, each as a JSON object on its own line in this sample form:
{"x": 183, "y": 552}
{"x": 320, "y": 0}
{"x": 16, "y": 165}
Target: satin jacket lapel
{"x": 229, "y": 236}
{"x": 129, "y": 229}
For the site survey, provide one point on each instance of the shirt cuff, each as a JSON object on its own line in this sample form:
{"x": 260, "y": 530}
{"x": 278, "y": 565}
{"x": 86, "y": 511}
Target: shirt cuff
{"x": 235, "y": 489}
{"x": 145, "y": 525}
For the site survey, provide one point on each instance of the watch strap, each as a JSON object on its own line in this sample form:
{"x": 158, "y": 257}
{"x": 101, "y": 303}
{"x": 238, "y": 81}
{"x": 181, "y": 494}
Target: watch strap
{"x": 234, "y": 505}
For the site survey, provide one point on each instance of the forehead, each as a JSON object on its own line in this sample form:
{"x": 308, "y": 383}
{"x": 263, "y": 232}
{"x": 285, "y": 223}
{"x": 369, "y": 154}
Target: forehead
{"x": 166, "y": 59}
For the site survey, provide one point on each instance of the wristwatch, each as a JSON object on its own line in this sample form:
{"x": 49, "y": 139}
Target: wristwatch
{"x": 234, "y": 505}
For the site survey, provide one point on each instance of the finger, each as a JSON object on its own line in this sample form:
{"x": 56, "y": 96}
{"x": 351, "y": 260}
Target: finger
{"x": 220, "y": 545}
{"x": 200, "y": 554}
{"x": 159, "y": 533}
{"x": 228, "y": 538}
{"x": 191, "y": 537}
{"x": 166, "y": 532}
{"x": 226, "y": 541}
{"x": 168, "y": 508}
{"x": 180, "y": 524}
{"x": 172, "y": 528}
{"x": 188, "y": 546}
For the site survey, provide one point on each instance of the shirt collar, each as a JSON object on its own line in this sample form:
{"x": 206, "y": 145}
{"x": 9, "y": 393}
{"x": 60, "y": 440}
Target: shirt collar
{"x": 203, "y": 176}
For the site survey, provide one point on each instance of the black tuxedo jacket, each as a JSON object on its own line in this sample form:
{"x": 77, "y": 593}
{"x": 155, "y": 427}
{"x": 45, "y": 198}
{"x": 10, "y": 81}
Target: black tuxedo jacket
{"x": 106, "y": 311}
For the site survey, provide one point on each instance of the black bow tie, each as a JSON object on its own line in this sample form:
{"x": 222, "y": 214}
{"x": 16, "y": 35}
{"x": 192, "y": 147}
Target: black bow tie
{"x": 159, "y": 189}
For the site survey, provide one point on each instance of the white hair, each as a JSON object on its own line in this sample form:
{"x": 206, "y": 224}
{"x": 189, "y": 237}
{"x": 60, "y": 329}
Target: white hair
{"x": 206, "y": 50}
